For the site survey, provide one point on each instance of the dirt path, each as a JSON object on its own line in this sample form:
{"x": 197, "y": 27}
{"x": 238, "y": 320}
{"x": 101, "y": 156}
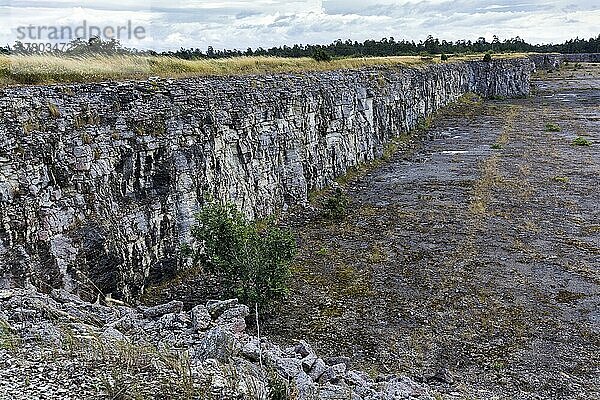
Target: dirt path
{"x": 481, "y": 260}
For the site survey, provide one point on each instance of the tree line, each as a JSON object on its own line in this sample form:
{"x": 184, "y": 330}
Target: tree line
{"x": 391, "y": 47}
{"x": 337, "y": 49}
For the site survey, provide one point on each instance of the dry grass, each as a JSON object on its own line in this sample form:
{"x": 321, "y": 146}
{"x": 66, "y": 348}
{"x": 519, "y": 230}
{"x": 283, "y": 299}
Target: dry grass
{"x": 46, "y": 69}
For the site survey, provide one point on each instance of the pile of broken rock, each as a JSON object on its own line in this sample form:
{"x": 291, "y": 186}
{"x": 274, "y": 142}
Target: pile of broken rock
{"x": 57, "y": 346}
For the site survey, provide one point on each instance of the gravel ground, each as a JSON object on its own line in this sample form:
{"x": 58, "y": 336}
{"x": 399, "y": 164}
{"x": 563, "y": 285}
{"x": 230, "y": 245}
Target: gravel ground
{"x": 477, "y": 251}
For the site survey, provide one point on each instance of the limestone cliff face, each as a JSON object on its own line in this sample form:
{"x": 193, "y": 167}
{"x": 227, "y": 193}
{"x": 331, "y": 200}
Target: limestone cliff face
{"x": 554, "y": 60}
{"x": 99, "y": 182}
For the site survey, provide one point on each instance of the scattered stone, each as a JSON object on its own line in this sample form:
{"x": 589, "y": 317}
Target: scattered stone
{"x": 234, "y": 319}
{"x": 333, "y": 374}
{"x": 160, "y": 310}
{"x": 338, "y": 360}
{"x": 288, "y": 367}
{"x": 333, "y": 392}
{"x": 318, "y": 368}
{"x": 251, "y": 350}
{"x": 174, "y": 322}
{"x": 218, "y": 344}
{"x": 82, "y": 351}
{"x": 112, "y": 335}
{"x": 6, "y": 294}
{"x": 218, "y": 307}
{"x": 201, "y": 319}
{"x": 303, "y": 349}
{"x": 307, "y": 389}
{"x": 441, "y": 376}
{"x": 402, "y": 388}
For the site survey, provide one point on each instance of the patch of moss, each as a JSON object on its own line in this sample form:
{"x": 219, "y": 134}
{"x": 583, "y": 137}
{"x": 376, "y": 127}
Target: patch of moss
{"x": 565, "y": 296}
{"x": 469, "y": 98}
{"x": 377, "y": 255}
{"x": 580, "y": 141}
{"x": 8, "y": 338}
{"x": 352, "y": 282}
{"x": 323, "y": 251}
{"x": 552, "y": 127}
{"x": 561, "y": 179}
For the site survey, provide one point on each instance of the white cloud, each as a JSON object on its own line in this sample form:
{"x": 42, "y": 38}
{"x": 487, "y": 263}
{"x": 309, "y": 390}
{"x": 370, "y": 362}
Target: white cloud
{"x": 252, "y": 23}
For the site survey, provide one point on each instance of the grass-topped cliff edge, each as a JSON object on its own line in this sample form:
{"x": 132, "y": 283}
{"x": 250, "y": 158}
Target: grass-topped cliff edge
{"x": 48, "y": 69}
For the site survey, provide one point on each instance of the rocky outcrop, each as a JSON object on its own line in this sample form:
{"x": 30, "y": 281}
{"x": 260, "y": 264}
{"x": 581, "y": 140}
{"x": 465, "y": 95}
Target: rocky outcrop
{"x": 555, "y": 60}
{"x": 59, "y": 347}
{"x": 99, "y": 183}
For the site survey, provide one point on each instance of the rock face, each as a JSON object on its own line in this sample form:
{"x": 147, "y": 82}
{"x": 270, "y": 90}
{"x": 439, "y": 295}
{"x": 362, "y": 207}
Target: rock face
{"x": 99, "y": 182}
{"x": 59, "y": 347}
{"x": 554, "y": 60}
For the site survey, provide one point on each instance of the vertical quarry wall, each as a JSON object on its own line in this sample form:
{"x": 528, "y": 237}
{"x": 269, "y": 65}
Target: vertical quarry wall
{"x": 554, "y": 60}
{"x": 99, "y": 182}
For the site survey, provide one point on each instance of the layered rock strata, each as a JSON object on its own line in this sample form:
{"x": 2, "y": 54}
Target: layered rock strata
{"x": 99, "y": 183}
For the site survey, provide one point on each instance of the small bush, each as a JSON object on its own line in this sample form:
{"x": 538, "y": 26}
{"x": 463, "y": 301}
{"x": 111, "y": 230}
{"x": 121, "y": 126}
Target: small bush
{"x": 321, "y": 55}
{"x": 444, "y": 57}
{"x": 496, "y": 146}
{"x": 487, "y": 57}
{"x": 252, "y": 261}
{"x": 552, "y": 127}
{"x": 424, "y": 123}
{"x": 336, "y": 206}
{"x": 579, "y": 141}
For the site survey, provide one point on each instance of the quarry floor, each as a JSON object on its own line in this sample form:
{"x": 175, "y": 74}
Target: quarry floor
{"x": 475, "y": 250}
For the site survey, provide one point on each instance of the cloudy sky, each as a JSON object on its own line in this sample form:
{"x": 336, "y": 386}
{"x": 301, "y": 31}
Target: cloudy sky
{"x": 252, "y": 23}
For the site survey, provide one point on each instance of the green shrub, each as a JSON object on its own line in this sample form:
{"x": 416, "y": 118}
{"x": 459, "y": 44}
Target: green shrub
{"x": 444, "y": 57}
{"x": 252, "y": 261}
{"x": 579, "y": 141}
{"x": 552, "y": 127}
{"x": 321, "y": 55}
{"x": 423, "y": 123}
{"x": 487, "y": 57}
{"x": 336, "y": 206}
{"x": 496, "y": 146}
